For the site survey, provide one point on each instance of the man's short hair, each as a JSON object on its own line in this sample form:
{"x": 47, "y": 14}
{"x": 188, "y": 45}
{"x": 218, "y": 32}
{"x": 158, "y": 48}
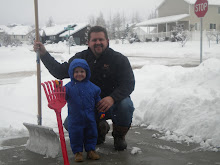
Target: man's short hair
{"x": 97, "y": 29}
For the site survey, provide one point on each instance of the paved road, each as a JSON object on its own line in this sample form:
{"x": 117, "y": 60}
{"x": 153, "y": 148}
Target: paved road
{"x": 153, "y": 151}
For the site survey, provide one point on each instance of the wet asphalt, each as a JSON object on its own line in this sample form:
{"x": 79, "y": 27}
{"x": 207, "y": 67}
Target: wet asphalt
{"x": 144, "y": 148}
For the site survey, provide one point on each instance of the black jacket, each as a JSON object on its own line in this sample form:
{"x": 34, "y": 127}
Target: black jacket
{"x": 112, "y": 72}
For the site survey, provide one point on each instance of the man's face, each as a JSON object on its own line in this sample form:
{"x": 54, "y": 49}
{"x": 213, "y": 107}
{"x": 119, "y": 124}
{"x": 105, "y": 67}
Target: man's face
{"x": 79, "y": 74}
{"x": 98, "y": 43}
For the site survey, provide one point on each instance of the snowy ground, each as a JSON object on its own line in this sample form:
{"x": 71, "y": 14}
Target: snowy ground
{"x": 180, "y": 102}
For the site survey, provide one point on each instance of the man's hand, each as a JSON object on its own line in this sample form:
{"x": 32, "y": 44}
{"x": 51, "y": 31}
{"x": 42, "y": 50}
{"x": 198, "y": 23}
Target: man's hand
{"x": 104, "y": 104}
{"x": 38, "y": 46}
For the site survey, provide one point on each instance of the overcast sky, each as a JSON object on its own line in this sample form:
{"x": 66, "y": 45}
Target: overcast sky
{"x": 64, "y": 11}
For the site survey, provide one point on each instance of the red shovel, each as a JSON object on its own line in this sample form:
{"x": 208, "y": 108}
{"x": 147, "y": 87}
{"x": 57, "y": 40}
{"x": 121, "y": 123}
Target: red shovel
{"x": 56, "y": 93}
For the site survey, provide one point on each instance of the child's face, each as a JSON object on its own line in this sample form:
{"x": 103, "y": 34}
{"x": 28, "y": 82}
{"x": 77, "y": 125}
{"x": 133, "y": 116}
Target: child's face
{"x": 79, "y": 74}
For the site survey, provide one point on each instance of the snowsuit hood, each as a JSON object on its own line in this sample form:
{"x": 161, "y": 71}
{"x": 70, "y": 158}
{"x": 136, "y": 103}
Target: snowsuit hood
{"x": 79, "y": 63}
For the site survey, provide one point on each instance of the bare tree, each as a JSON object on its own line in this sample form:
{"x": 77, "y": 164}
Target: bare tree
{"x": 50, "y": 22}
{"x": 153, "y": 14}
{"x": 110, "y": 26}
{"x": 213, "y": 36}
{"x": 135, "y": 18}
{"x": 118, "y": 25}
{"x": 100, "y": 20}
{"x": 92, "y": 21}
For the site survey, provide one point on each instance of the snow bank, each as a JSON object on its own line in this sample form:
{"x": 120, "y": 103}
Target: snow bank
{"x": 180, "y": 101}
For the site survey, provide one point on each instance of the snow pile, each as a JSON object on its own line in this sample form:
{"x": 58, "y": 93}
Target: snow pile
{"x": 135, "y": 150}
{"x": 182, "y": 102}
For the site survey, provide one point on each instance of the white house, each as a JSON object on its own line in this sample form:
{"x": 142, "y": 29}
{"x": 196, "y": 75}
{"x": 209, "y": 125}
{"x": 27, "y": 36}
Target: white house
{"x": 181, "y": 12}
{"x": 20, "y": 32}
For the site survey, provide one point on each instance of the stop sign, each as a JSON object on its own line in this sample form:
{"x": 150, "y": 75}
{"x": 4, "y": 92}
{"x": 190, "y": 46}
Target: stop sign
{"x": 201, "y": 7}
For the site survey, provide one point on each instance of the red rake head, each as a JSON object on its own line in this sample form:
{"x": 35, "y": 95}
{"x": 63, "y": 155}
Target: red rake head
{"x": 55, "y": 93}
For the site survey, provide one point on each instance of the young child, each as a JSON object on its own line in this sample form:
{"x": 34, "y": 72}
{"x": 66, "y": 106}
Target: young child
{"x": 82, "y": 96}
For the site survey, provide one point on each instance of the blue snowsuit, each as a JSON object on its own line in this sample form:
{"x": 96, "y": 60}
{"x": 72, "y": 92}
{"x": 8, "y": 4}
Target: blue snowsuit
{"x": 81, "y": 100}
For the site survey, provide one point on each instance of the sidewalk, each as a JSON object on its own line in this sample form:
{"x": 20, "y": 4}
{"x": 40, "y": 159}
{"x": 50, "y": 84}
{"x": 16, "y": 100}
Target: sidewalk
{"x": 152, "y": 151}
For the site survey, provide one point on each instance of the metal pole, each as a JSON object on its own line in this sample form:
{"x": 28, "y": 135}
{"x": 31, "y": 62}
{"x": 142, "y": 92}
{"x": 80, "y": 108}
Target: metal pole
{"x": 201, "y": 39}
{"x": 39, "y": 116}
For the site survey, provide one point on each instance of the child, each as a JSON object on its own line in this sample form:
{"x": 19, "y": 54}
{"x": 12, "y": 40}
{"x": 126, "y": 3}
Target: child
{"x": 82, "y": 96}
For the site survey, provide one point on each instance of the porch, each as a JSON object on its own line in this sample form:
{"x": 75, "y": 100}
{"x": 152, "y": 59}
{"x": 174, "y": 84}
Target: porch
{"x": 164, "y": 26}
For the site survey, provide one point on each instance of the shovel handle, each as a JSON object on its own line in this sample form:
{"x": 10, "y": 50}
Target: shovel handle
{"x": 36, "y": 21}
{"x": 38, "y": 64}
{"x": 62, "y": 139}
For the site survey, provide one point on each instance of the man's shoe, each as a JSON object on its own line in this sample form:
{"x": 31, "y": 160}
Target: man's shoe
{"x": 120, "y": 143}
{"x": 93, "y": 155}
{"x": 78, "y": 157}
{"x": 103, "y": 128}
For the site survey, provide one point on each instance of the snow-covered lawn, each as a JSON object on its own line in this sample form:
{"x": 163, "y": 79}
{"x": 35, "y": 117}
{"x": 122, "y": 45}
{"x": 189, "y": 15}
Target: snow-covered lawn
{"x": 180, "y": 102}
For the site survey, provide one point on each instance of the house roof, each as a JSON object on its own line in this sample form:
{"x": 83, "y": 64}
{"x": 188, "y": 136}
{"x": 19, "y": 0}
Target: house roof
{"x": 4, "y": 28}
{"x": 55, "y": 30}
{"x": 20, "y": 30}
{"x": 77, "y": 28}
{"x": 211, "y": 2}
{"x": 162, "y": 20}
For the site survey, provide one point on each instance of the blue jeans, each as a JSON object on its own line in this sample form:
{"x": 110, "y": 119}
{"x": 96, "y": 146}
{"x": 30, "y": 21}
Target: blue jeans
{"x": 121, "y": 113}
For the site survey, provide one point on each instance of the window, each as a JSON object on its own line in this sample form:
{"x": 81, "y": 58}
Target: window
{"x": 196, "y": 26}
{"x": 52, "y": 37}
{"x": 212, "y": 26}
{"x": 218, "y": 10}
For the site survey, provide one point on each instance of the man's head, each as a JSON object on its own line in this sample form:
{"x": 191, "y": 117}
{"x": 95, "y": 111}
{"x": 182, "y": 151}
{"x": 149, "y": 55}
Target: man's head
{"x": 98, "y": 40}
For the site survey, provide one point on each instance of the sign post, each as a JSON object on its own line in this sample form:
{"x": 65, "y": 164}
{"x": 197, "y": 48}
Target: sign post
{"x": 200, "y": 9}
{"x": 69, "y": 27}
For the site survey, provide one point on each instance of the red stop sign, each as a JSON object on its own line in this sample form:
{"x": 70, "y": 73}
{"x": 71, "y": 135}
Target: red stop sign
{"x": 201, "y": 7}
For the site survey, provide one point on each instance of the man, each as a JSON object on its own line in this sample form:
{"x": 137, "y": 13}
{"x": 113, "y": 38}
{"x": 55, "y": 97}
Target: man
{"x": 112, "y": 72}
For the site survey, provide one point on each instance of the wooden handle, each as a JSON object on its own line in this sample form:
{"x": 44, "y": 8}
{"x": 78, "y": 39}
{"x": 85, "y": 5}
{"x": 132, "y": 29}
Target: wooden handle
{"x": 36, "y": 21}
{"x": 39, "y": 116}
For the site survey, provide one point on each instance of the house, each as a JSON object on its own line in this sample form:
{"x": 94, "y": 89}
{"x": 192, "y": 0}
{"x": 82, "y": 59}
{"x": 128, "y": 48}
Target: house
{"x": 52, "y": 33}
{"x": 60, "y": 33}
{"x": 79, "y": 34}
{"x": 172, "y": 13}
{"x": 16, "y": 33}
{"x": 20, "y": 33}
